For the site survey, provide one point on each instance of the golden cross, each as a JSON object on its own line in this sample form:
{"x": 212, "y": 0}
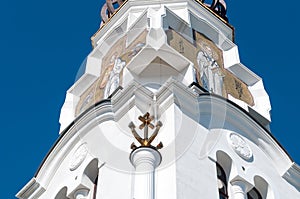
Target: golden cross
{"x": 146, "y": 122}
{"x": 146, "y": 119}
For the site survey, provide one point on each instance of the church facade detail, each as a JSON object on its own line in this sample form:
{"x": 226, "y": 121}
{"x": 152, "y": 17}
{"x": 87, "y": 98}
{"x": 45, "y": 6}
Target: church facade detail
{"x": 165, "y": 110}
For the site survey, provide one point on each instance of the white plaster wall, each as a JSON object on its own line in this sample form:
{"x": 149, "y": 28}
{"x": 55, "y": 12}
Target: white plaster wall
{"x": 190, "y": 142}
{"x": 188, "y": 157}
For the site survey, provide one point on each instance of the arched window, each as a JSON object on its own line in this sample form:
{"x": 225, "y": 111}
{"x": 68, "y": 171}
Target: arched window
{"x": 62, "y": 194}
{"x": 222, "y": 182}
{"x": 91, "y": 171}
{"x": 254, "y": 194}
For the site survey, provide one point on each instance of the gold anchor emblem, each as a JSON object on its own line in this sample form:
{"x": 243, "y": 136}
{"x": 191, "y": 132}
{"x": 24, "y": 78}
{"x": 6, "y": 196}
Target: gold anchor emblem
{"x": 146, "y": 123}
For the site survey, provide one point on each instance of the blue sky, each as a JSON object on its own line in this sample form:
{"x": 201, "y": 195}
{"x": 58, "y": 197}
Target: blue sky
{"x": 43, "y": 44}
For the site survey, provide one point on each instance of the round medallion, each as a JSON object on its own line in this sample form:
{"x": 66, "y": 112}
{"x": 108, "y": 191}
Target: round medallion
{"x": 240, "y": 146}
{"x": 78, "y": 157}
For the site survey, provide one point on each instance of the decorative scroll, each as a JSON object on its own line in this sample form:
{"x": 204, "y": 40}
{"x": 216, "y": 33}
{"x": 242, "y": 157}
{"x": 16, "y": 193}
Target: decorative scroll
{"x": 219, "y": 7}
{"x": 109, "y": 8}
{"x": 146, "y": 124}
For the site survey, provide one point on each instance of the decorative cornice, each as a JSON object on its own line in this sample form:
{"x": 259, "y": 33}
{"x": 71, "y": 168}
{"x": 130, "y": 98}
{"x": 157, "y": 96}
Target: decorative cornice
{"x": 217, "y": 8}
{"x": 122, "y": 11}
{"x": 292, "y": 176}
{"x": 31, "y": 190}
{"x": 172, "y": 89}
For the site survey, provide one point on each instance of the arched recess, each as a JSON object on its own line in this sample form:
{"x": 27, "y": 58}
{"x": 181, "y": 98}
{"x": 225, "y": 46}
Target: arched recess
{"x": 91, "y": 170}
{"x": 263, "y": 188}
{"x": 223, "y": 167}
{"x": 222, "y": 182}
{"x": 254, "y": 194}
{"x": 62, "y": 194}
{"x": 90, "y": 177}
{"x": 225, "y": 161}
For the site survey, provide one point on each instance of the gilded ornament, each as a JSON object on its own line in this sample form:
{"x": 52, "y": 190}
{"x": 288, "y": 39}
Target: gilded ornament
{"x": 146, "y": 124}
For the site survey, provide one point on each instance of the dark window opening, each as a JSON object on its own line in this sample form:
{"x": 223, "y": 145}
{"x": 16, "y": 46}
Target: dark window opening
{"x": 222, "y": 182}
{"x": 254, "y": 194}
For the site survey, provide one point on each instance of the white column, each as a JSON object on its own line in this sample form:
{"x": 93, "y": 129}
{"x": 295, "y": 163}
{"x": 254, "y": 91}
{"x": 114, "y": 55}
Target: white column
{"x": 145, "y": 160}
{"x": 81, "y": 194}
{"x": 239, "y": 189}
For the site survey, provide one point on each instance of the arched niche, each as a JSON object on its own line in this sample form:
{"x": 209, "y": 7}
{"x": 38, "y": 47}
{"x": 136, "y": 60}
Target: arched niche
{"x": 62, "y": 194}
{"x": 91, "y": 171}
{"x": 223, "y": 167}
{"x": 90, "y": 179}
{"x": 225, "y": 162}
{"x": 263, "y": 187}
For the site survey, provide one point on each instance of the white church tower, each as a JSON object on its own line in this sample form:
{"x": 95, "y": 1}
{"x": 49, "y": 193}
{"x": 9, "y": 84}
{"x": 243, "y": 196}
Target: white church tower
{"x": 165, "y": 110}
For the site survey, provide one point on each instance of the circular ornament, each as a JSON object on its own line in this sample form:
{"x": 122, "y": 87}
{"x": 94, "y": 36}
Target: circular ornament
{"x": 240, "y": 146}
{"x": 78, "y": 157}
